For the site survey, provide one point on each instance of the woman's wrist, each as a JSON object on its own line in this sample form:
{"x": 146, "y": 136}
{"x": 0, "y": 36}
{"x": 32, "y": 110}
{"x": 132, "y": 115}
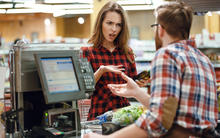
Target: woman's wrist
{"x": 101, "y": 69}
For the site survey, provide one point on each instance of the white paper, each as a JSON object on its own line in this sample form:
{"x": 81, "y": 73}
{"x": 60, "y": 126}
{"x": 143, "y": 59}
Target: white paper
{"x": 2, "y": 81}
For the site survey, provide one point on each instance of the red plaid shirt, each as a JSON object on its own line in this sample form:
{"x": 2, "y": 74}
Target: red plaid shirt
{"x": 102, "y": 99}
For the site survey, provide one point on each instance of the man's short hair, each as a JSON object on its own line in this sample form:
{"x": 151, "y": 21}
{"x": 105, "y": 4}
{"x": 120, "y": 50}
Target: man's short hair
{"x": 175, "y": 18}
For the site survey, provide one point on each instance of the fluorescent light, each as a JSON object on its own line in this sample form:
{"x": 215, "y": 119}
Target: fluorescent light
{"x": 11, "y": 11}
{"x": 44, "y": 6}
{"x": 6, "y": 5}
{"x": 140, "y": 7}
{"x": 19, "y": 1}
{"x": 5, "y": 1}
{"x": 73, "y": 6}
{"x": 39, "y": 6}
{"x": 25, "y": 4}
{"x": 68, "y": 1}
{"x": 64, "y": 12}
{"x": 2, "y": 11}
{"x": 157, "y": 3}
{"x": 124, "y": 2}
{"x": 79, "y": 11}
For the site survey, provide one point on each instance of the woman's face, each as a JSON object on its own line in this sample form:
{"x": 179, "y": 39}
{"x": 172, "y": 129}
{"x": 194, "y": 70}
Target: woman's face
{"x": 111, "y": 26}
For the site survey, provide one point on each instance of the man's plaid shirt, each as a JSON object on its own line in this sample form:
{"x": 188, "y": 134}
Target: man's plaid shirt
{"x": 181, "y": 71}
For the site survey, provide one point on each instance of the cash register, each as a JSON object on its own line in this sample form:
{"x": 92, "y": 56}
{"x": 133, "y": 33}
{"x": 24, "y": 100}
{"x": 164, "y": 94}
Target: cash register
{"x": 46, "y": 81}
{"x": 64, "y": 78}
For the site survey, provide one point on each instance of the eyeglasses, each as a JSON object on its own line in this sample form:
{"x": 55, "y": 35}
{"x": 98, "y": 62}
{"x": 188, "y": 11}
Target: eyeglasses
{"x": 153, "y": 25}
{"x": 156, "y": 24}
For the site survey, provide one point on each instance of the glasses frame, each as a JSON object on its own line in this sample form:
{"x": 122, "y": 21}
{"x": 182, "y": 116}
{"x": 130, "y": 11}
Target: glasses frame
{"x": 153, "y": 25}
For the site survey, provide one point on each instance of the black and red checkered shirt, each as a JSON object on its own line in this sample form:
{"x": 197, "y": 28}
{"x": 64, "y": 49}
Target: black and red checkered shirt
{"x": 102, "y": 99}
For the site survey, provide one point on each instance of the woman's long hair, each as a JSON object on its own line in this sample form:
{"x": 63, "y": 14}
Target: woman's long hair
{"x": 121, "y": 40}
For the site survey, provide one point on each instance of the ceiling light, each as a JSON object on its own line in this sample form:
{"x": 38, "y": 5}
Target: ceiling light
{"x": 5, "y": 0}
{"x": 68, "y": 1}
{"x": 47, "y": 22}
{"x": 11, "y": 11}
{"x": 140, "y": 7}
{"x": 73, "y": 6}
{"x": 124, "y": 2}
{"x": 81, "y": 20}
{"x": 64, "y": 12}
{"x": 6, "y": 5}
{"x": 19, "y": 1}
{"x": 2, "y": 11}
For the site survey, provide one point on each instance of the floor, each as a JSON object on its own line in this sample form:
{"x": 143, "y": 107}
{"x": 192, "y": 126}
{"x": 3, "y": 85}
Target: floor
{"x": 2, "y": 130}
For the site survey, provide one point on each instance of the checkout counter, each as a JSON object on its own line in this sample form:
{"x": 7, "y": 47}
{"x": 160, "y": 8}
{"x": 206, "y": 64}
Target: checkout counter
{"x": 46, "y": 82}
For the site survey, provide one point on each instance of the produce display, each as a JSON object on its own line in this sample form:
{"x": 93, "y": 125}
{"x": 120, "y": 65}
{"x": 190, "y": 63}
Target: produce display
{"x": 127, "y": 115}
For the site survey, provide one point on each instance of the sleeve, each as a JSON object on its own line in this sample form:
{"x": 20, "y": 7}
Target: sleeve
{"x": 85, "y": 52}
{"x": 165, "y": 88}
{"x": 132, "y": 68}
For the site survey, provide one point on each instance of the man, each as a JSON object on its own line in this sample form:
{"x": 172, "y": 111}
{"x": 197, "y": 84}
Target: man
{"x": 183, "y": 100}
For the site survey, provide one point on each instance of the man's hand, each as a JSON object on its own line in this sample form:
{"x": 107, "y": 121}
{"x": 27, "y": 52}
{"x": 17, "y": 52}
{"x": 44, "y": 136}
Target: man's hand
{"x": 94, "y": 135}
{"x": 142, "y": 82}
{"x": 130, "y": 89}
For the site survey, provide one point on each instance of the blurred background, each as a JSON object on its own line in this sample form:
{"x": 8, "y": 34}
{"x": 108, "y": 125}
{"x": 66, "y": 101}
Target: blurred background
{"x": 72, "y": 21}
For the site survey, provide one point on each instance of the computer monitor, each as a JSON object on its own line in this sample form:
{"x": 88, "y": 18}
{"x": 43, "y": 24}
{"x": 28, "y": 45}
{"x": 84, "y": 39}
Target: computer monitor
{"x": 63, "y": 77}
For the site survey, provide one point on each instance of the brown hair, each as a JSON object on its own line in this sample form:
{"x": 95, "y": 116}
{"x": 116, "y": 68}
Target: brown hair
{"x": 175, "y": 18}
{"x": 121, "y": 40}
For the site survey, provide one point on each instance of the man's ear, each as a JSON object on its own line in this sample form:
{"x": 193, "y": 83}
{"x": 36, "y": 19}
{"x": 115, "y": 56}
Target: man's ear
{"x": 161, "y": 31}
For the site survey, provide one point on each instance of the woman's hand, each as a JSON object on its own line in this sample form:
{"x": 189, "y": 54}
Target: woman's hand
{"x": 108, "y": 68}
{"x": 112, "y": 68}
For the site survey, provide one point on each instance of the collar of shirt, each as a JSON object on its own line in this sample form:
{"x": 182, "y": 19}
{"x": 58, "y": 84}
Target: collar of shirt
{"x": 102, "y": 48}
{"x": 189, "y": 42}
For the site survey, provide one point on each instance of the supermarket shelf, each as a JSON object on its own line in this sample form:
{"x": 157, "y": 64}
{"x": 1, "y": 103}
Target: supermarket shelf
{"x": 216, "y": 65}
{"x": 143, "y": 59}
{"x": 4, "y": 52}
{"x": 208, "y": 47}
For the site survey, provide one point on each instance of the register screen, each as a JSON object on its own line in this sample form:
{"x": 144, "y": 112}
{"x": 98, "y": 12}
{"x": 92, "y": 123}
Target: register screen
{"x": 60, "y": 75}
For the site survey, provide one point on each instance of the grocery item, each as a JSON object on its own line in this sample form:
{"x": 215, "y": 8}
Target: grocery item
{"x": 127, "y": 115}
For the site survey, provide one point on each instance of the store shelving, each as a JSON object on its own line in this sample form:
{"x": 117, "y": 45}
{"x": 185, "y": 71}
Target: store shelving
{"x": 4, "y": 52}
{"x": 216, "y": 65}
{"x": 144, "y": 51}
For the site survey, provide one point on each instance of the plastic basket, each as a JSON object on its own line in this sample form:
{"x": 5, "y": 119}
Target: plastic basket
{"x": 84, "y": 106}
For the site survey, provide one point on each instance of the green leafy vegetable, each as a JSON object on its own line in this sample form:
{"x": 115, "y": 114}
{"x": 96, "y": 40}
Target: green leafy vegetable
{"x": 127, "y": 115}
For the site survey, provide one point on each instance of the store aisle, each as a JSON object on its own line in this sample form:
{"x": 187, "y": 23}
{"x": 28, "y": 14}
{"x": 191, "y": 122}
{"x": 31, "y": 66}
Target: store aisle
{"x": 2, "y": 130}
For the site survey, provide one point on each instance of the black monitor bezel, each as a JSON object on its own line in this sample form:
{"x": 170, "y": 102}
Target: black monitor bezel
{"x": 59, "y": 97}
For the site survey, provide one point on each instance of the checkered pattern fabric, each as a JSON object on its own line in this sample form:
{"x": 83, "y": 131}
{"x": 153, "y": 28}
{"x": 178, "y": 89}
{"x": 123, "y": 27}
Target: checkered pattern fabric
{"x": 102, "y": 99}
{"x": 181, "y": 71}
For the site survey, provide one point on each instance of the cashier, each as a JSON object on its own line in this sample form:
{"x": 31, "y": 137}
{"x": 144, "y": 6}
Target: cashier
{"x": 183, "y": 99}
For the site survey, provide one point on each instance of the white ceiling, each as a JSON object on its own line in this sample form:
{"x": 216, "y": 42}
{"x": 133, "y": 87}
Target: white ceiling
{"x": 70, "y": 7}
{"x": 63, "y": 7}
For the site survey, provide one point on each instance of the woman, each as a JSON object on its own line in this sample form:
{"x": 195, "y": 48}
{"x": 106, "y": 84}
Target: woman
{"x": 109, "y": 56}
